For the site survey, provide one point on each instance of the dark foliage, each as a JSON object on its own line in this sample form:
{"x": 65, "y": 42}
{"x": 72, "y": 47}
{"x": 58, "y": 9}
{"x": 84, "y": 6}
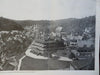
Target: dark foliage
{"x": 8, "y": 25}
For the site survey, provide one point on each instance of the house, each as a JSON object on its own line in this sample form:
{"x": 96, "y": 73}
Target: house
{"x": 88, "y": 42}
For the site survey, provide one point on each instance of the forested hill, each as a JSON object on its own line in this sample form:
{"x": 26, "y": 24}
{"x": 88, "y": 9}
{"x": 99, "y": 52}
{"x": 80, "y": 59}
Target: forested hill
{"x": 78, "y": 25}
{"x": 69, "y": 25}
{"x": 8, "y": 25}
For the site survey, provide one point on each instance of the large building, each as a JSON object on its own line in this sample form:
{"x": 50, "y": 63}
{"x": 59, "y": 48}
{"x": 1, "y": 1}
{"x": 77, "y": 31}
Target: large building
{"x": 46, "y": 48}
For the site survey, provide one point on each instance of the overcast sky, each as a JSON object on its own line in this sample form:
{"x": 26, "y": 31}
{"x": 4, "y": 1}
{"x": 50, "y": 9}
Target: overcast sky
{"x": 46, "y": 9}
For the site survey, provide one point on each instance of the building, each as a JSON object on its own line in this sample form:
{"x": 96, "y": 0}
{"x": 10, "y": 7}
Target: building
{"x": 43, "y": 48}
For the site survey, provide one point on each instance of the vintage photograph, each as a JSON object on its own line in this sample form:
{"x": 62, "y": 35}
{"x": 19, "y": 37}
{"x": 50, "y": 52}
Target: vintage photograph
{"x": 47, "y": 35}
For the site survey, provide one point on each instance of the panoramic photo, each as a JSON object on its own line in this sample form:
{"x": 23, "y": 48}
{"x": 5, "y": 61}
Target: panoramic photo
{"x": 47, "y": 35}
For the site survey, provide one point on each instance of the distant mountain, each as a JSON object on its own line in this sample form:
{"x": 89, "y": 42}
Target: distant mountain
{"x": 69, "y": 25}
{"x": 77, "y": 25}
{"x": 8, "y": 25}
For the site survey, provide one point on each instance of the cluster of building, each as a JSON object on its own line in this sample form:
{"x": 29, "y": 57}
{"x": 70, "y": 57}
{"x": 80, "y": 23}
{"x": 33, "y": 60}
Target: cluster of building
{"x": 11, "y": 44}
{"x": 54, "y": 45}
{"x": 72, "y": 46}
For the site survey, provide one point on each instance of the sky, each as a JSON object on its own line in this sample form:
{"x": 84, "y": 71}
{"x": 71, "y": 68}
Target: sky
{"x": 46, "y": 9}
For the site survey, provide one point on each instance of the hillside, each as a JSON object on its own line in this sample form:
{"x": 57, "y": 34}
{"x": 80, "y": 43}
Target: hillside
{"x": 69, "y": 25}
{"x": 8, "y": 25}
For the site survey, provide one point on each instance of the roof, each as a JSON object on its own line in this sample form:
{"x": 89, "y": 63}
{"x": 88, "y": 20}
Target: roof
{"x": 82, "y": 64}
{"x": 42, "y": 64}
